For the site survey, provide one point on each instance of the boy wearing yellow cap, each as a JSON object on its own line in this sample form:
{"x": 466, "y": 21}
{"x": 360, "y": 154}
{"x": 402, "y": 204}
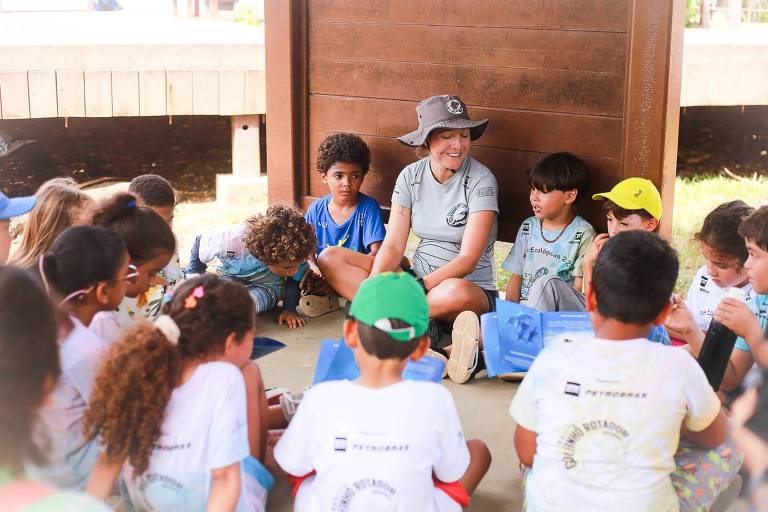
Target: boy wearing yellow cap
{"x": 633, "y": 204}
{"x": 381, "y": 442}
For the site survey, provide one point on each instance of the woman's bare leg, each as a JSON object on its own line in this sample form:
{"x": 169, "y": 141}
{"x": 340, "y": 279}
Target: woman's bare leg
{"x": 452, "y": 296}
{"x": 479, "y": 462}
{"x": 344, "y": 269}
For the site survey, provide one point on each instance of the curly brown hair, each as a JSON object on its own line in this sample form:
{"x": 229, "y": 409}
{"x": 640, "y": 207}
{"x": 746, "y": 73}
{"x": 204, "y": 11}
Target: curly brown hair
{"x": 279, "y": 236}
{"x": 135, "y": 382}
{"x": 343, "y": 147}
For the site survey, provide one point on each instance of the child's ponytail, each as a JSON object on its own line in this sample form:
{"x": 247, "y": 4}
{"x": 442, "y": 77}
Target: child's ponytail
{"x": 131, "y": 392}
{"x": 145, "y": 233}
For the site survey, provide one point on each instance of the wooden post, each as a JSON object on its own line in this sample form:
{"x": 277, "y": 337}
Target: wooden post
{"x": 213, "y": 8}
{"x": 246, "y": 145}
{"x": 286, "y": 60}
{"x": 652, "y": 108}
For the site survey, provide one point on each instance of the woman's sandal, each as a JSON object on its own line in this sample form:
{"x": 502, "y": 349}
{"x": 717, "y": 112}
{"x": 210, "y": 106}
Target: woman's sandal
{"x": 313, "y": 306}
{"x": 465, "y": 347}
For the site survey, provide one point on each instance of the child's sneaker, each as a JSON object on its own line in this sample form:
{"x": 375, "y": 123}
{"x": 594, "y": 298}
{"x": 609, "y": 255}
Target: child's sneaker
{"x": 313, "y": 306}
{"x": 465, "y": 347}
{"x": 289, "y": 403}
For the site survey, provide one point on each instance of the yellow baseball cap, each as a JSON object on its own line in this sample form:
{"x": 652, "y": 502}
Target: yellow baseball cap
{"x": 635, "y": 194}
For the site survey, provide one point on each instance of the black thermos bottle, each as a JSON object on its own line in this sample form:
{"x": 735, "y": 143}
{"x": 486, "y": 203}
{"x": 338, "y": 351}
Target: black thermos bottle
{"x": 718, "y": 345}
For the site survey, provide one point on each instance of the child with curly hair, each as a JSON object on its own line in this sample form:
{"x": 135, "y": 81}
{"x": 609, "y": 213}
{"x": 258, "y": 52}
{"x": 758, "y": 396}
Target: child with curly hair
{"x": 156, "y": 192}
{"x": 267, "y": 253}
{"x": 151, "y": 245}
{"x": 179, "y": 408}
{"x": 29, "y": 365}
{"x": 86, "y": 270}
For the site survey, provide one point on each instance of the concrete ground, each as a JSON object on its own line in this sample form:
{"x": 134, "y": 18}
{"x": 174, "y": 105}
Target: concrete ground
{"x": 483, "y": 407}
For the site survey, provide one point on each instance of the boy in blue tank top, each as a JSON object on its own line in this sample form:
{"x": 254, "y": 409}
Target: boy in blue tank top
{"x": 346, "y": 217}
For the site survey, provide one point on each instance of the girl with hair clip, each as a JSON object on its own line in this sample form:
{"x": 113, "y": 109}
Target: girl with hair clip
{"x": 151, "y": 245}
{"x": 29, "y": 366}
{"x": 60, "y": 204}
{"x": 180, "y": 410}
{"x": 86, "y": 271}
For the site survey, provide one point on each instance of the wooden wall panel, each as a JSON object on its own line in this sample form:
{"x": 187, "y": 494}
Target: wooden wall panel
{"x": 179, "y": 93}
{"x": 530, "y": 89}
{"x": 602, "y": 52}
{"x": 42, "y": 94}
{"x": 205, "y": 92}
{"x": 231, "y": 92}
{"x": 14, "y": 94}
{"x": 544, "y": 132}
{"x": 70, "y": 92}
{"x": 595, "y": 15}
{"x": 125, "y": 93}
{"x": 152, "y": 91}
{"x": 98, "y": 93}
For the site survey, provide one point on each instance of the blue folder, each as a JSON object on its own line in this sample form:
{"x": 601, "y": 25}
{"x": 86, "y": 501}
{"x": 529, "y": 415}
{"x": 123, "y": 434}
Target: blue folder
{"x": 263, "y": 346}
{"x": 515, "y": 334}
{"x": 337, "y": 362}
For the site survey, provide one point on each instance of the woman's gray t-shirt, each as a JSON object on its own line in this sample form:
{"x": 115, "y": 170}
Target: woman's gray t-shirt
{"x": 439, "y": 214}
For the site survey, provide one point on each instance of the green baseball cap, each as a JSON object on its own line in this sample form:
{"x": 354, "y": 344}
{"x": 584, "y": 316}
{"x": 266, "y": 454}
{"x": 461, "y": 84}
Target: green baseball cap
{"x": 395, "y": 295}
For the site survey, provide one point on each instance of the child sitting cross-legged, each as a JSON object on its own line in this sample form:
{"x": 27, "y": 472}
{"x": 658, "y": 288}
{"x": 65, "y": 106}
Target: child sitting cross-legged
{"x": 345, "y": 217}
{"x": 381, "y": 442}
{"x": 179, "y": 409}
{"x": 267, "y": 254}
{"x": 554, "y": 240}
{"x": 599, "y": 420}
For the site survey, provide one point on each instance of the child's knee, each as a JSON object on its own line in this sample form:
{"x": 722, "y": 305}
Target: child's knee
{"x": 330, "y": 257}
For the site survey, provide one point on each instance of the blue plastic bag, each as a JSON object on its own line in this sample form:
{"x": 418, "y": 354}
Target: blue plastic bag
{"x": 337, "y": 362}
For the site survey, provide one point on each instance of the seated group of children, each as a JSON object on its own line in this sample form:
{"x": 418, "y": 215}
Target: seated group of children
{"x": 172, "y": 415}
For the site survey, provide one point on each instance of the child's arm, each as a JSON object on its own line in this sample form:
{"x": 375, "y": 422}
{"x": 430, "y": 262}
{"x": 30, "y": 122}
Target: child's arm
{"x": 525, "y": 445}
{"x": 225, "y": 488}
{"x": 739, "y": 318}
{"x": 588, "y": 261}
{"x": 513, "y": 288}
{"x": 374, "y": 248}
{"x": 288, "y": 315}
{"x": 103, "y": 477}
{"x": 712, "y": 436}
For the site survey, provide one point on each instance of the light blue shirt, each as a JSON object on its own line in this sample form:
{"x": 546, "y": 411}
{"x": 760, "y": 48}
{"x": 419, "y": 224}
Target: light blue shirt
{"x": 758, "y": 303}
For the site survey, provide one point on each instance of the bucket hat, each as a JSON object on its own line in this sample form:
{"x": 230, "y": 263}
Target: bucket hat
{"x": 446, "y": 111}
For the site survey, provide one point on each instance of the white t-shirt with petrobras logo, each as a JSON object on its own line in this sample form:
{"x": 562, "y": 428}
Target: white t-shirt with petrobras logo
{"x": 607, "y": 426}
{"x": 533, "y": 257}
{"x": 704, "y": 296}
{"x": 374, "y": 449}
{"x": 440, "y": 211}
{"x": 205, "y": 428}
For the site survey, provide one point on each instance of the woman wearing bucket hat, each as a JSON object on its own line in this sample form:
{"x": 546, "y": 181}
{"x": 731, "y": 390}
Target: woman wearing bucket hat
{"x": 450, "y": 200}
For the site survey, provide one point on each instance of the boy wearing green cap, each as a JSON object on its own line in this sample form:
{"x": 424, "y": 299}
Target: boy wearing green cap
{"x": 380, "y": 442}
{"x": 633, "y": 204}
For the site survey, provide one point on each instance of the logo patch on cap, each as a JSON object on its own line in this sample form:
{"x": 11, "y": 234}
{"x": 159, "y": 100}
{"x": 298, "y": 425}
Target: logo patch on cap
{"x": 454, "y": 106}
